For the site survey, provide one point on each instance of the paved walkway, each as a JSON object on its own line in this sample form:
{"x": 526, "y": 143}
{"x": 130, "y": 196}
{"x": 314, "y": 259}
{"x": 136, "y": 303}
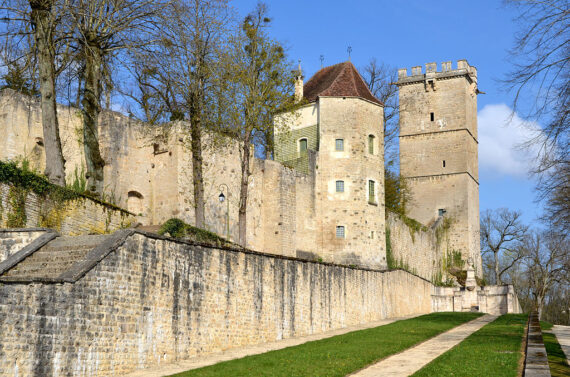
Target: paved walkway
{"x": 237, "y": 353}
{"x": 563, "y": 335}
{"x": 413, "y": 359}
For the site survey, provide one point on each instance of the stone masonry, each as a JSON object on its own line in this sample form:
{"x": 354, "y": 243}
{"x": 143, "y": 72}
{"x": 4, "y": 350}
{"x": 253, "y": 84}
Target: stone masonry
{"x": 139, "y": 300}
{"x": 438, "y": 149}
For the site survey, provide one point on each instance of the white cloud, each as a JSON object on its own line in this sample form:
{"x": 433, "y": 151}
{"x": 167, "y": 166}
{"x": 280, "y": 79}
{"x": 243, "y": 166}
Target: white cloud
{"x": 501, "y": 134}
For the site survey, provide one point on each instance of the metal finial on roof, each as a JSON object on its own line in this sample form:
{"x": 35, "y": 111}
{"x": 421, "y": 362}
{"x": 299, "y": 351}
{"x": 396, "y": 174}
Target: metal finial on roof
{"x": 300, "y": 71}
{"x": 322, "y": 59}
{"x": 349, "y": 49}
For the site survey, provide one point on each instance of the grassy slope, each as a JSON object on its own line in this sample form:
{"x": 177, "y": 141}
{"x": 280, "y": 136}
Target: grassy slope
{"x": 556, "y": 358}
{"x": 494, "y": 350}
{"x": 342, "y": 354}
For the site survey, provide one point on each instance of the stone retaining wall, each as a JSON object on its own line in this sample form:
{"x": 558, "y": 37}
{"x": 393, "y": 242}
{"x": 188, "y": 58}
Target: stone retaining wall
{"x": 72, "y": 217}
{"x": 152, "y": 301}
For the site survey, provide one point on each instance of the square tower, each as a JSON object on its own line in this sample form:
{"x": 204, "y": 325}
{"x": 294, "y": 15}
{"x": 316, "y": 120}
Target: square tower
{"x": 438, "y": 151}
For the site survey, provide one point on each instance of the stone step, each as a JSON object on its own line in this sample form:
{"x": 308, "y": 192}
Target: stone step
{"x": 56, "y": 257}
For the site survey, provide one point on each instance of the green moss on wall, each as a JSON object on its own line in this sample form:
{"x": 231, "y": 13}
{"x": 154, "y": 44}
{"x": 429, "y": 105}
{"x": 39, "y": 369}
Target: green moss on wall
{"x": 16, "y": 217}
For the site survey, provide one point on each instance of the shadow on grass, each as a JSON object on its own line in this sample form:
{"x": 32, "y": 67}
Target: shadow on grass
{"x": 493, "y": 350}
{"x": 556, "y": 358}
{"x": 339, "y": 355}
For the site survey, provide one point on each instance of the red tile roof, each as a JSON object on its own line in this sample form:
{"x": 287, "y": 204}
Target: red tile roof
{"x": 339, "y": 80}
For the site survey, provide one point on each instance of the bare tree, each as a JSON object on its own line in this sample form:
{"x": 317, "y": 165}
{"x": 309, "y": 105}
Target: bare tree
{"x": 103, "y": 28}
{"x": 501, "y": 234}
{"x": 41, "y": 16}
{"x": 541, "y": 73}
{"x": 548, "y": 263}
{"x": 380, "y": 78}
{"x": 259, "y": 83}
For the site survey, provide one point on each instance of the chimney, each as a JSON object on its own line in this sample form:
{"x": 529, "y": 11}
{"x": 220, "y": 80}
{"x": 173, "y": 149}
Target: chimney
{"x": 299, "y": 84}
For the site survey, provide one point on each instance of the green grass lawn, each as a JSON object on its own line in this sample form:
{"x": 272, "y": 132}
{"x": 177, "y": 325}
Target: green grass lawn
{"x": 339, "y": 355}
{"x": 494, "y": 350}
{"x": 556, "y": 358}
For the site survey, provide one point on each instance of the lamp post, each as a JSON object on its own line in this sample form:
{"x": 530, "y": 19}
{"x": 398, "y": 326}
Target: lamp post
{"x": 222, "y": 198}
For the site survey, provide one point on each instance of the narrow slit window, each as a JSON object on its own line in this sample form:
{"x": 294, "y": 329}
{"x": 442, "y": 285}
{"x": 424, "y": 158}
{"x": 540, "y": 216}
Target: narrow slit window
{"x": 339, "y": 186}
{"x": 371, "y": 197}
{"x": 431, "y": 117}
{"x": 303, "y": 145}
{"x": 443, "y": 163}
{"x": 370, "y": 144}
{"x": 340, "y": 233}
{"x": 339, "y": 145}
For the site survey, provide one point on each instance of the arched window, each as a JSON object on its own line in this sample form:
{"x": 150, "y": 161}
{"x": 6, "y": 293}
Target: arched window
{"x": 303, "y": 145}
{"x": 135, "y": 202}
{"x": 371, "y": 144}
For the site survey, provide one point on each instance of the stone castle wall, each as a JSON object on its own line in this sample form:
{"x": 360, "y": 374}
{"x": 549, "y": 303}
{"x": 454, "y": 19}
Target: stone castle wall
{"x": 352, "y": 120}
{"x": 420, "y": 251}
{"x": 72, "y": 217}
{"x": 154, "y": 301}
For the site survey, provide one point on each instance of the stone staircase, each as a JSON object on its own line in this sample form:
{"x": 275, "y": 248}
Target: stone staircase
{"x": 54, "y": 258}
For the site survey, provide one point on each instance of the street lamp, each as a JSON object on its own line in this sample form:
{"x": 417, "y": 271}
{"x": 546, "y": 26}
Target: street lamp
{"x": 222, "y": 198}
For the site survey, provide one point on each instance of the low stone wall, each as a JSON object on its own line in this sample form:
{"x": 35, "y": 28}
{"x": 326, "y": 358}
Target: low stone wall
{"x": 71, "y": 217}
{"x": 152, "y": 300}
{"x": 13, "y": 240}
{"x": 492, "y": 299}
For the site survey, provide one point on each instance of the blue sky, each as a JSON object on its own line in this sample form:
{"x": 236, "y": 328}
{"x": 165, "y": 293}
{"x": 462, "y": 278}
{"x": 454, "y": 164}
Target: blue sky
{"x": 409, "y": 33}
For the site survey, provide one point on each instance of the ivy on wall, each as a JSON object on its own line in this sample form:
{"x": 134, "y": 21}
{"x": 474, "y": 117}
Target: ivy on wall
{"x": 22, "y": 181}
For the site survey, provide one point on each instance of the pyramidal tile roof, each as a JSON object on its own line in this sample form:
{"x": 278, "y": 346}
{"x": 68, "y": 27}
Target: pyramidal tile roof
{"x": 339, "y": 80}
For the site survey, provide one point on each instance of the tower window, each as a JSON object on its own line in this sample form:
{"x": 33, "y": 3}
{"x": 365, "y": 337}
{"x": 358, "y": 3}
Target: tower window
{"x": 431, "y": 117}
{"x": 303, "y": 145}
{"x": 340, "y": 231}
{"x": 441, "y": 211}
{"x": 443, "y": 163}
{"x": 339, "y": 186}
{"x": 371, "y": 196}
{"x": 339, "y": 145}
{"x": 371, "y": 144}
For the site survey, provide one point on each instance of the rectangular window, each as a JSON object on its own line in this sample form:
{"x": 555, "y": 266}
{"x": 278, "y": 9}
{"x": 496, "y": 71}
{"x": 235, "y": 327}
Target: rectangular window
{"x": 431, "y": 117}
{"x": 303, "y": 145}
{"x": 339, "y": 144}
{"x": 339, "y": 186}
{"x": 371, "y": 197}
{"x": 340, "y": 231}
{"x": 371, "y": 144}
{"x": 441, "y": 211}
{"x": 443, "y": 163}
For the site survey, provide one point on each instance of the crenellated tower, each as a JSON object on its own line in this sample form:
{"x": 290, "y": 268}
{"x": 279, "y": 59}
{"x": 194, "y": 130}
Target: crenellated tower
{"x": 438, "y": 150}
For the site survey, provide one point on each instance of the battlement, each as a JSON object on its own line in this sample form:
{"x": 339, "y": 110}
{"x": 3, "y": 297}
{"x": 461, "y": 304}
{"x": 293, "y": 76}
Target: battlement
{"x": 417, "y": 74}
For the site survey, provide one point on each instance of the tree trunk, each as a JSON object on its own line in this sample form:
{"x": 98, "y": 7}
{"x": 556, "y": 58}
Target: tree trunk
{"x": 42, "y": 21}
{"x": 497, "y": 276}
{"x": 197, "y": 176}
{"x": 243, "y": 190}
{"x": 91, "y": 109}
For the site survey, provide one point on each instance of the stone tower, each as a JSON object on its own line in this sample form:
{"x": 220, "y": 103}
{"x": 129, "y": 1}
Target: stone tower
{"x": 340, "y": 124}
{"x": 438, "y": 151}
